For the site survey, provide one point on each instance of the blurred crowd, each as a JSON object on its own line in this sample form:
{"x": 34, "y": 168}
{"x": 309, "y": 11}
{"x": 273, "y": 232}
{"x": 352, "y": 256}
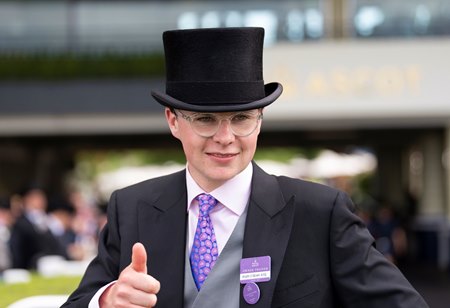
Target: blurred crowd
{"x": 388, "y": 231}
{"x": 34, "y": 224}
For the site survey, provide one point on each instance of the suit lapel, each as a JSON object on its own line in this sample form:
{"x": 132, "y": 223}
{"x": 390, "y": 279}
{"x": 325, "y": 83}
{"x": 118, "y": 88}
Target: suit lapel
{"x": 162, "y": 230}
{"x": 267, "y": 230}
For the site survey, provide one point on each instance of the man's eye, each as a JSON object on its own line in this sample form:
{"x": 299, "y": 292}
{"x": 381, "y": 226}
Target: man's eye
{"x": 240, "y": 117}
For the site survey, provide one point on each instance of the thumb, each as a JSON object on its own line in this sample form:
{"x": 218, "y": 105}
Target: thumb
{"x": 139, "y": 258}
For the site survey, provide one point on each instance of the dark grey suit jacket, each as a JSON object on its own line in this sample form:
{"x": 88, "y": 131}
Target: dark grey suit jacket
{"x": 322, "y": 254}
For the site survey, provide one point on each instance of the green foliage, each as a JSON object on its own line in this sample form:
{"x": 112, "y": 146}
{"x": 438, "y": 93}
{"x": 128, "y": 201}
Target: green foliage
{"x": 73, "y": 66}
{"x": 37, "y": 286}
{"x": 284, "y": 154}
{"x": 92, "y": 163}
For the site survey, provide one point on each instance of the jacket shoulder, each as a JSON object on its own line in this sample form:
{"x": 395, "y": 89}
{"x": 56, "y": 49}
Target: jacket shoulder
{"x": 153, "y": 186}
{"x": 308, "y": 190}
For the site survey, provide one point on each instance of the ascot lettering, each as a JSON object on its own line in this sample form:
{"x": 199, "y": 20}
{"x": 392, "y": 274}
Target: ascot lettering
{"x": 363, "y": 81}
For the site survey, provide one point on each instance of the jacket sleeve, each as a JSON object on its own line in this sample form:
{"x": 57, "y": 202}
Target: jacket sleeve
{"x": 104, "y": 268}
{"x": 362, "y": 276}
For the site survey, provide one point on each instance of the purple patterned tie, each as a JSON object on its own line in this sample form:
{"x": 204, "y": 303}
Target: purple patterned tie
{"x": 204, "y": 249}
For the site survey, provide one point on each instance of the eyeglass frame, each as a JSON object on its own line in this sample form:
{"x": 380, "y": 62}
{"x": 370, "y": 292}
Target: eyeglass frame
{"x": 190, "y": 119}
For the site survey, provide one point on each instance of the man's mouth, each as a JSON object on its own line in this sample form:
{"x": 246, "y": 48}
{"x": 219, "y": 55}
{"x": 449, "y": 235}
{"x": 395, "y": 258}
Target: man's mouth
{"x": 222, "y": 155}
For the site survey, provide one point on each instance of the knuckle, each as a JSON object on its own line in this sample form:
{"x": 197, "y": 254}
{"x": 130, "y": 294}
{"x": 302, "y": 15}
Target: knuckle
{"x": 153, "y": 285}
{"x": 122, "y": 293}
{"x": 153, "y": 300}
{"x": 157, "y": 286}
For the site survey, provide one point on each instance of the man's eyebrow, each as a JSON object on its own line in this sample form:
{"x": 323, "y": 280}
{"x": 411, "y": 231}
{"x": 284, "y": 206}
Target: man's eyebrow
{"x": 202, "y": 114}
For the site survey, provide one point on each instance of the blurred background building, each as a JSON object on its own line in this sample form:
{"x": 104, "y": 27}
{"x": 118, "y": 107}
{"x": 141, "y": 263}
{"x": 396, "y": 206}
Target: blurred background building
{"x": 361, "y": 77}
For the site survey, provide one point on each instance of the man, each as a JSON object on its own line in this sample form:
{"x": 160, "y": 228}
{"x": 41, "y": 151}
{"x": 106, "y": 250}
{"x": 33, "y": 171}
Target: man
{"x": 61, "y": 214}
{"x": 222, "y": 232}
{"x": 31, "y": 238}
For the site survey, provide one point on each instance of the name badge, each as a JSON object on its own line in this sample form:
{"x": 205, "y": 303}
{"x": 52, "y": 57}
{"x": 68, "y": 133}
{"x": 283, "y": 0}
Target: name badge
{"x": 256, "y": 269}
{"x": 253, "y": 270}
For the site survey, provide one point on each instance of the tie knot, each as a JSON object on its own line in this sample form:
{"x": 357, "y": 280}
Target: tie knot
{"x": 206, "y": 203}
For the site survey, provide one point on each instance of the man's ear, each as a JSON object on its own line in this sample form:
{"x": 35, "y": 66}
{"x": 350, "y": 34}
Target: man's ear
{"x": 172, "y": 120}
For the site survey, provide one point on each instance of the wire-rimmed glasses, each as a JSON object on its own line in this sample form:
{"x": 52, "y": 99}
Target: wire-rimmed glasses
{"x": 242, "y": 123}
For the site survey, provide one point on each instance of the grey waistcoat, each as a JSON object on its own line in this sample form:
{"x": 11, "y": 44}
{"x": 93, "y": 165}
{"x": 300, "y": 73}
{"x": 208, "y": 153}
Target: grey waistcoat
{"x": 222, "y": 287}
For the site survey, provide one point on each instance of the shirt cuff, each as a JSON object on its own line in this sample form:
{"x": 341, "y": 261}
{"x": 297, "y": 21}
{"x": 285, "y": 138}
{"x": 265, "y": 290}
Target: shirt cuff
{"x": 94, "y": 301}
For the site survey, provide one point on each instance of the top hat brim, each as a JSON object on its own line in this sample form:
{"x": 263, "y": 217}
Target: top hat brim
{"x": 272, "y": 91}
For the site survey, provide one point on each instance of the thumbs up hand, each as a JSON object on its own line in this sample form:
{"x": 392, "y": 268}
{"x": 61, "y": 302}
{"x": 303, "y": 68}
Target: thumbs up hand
{"x": 134, "y": 288}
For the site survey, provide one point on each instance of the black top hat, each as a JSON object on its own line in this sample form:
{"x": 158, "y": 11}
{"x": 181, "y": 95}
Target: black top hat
{"x": 215, "y": 70}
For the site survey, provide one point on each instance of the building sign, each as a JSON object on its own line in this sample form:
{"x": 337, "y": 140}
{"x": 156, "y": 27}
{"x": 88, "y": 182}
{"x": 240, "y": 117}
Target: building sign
{"x": 373, "y": 80}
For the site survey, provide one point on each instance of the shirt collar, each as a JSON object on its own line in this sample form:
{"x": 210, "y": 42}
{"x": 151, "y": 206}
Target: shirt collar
{"x": 233, "y": 194}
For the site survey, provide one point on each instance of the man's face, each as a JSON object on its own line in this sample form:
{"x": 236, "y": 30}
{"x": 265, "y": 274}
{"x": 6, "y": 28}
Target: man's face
{"x": 216, "y": 159}
{"x": 35, "y": 200}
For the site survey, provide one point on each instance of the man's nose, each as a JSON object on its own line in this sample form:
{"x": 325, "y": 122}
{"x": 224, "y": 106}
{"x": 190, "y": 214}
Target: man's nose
{"x": 224, "y": 133}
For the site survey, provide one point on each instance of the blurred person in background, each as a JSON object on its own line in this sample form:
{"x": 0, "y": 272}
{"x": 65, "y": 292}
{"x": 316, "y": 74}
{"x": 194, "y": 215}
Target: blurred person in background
{"x": 102, "y": 215}
{"x": 61, "y": 215}
{"x": 85, "y": 223}
{"x": 6, "y": 220}
{"x": 30, "y": 235}
{"x": 196, "y": 226}
{"x": 390, "y": 236}
{"x": 16, "y": 205}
